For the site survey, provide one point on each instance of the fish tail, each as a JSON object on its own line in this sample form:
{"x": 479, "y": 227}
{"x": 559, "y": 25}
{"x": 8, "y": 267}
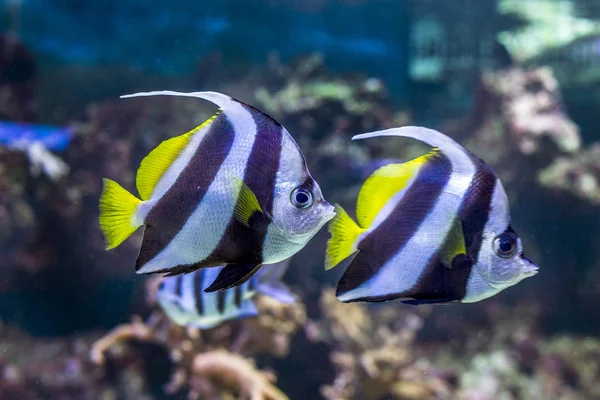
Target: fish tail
{"x": 344, "y": 236}
{"x": 117, "y": 213}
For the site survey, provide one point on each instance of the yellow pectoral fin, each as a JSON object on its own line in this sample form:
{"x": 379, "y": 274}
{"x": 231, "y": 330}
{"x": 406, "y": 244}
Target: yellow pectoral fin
{"x": 344, "y": 236}
{"x": 454, "y": 244}
{"x": 154, "y": 165}
{"x": 246, "y": 205}
{"x": 117, "y": 209}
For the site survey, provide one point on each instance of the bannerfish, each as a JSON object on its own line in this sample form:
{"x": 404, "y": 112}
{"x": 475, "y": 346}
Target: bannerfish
{"x": 235, "y": 191}
{"x": 183, "y": 299}
{"x": 435, "y": 229}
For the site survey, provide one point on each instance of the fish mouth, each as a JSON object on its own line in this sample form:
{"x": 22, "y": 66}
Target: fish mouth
{"x": 329, "y": 212}
{"x": 530, "y": 268}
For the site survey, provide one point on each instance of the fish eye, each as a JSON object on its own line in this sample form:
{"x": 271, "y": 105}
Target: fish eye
{"x": 301, "y": 198}
{"x": 505, "y": 245}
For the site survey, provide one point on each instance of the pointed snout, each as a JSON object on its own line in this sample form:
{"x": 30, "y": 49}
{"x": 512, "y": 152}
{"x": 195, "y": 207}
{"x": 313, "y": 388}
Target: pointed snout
{"x": 530, "y": 268}
{"x": 329, "y": 210}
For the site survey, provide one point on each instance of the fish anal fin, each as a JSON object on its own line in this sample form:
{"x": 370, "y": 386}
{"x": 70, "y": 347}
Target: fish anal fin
{"x": 359, "y": 272}
{"x": 233, "y": 275}
{"x": 344, "y": 236}
{"x": 415, "y": 302}
{"x": 154, "y": 165}
{"x": 247, "y": 205}
{"x": 454, "y": 245}
{"x": 382, "y": 185}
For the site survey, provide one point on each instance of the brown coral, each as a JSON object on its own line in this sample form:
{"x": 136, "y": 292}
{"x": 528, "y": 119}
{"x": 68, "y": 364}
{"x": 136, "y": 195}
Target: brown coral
{"x": 211, "y": 362}
{"x": 220, "y": 370}
{"x": 374, "y": 355}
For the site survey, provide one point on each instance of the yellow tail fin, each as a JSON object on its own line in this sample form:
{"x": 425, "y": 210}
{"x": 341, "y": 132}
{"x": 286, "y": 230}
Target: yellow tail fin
{"x": 344, "y": 235}
{"x": 117, "y": 209}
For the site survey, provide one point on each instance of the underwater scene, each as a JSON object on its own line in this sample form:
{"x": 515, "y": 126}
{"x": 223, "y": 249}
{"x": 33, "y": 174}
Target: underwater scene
{"x": 300, "y": 199}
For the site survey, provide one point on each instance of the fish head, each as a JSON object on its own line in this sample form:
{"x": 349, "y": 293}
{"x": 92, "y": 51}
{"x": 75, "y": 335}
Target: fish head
{"x": 299, "y": 208}
{"x": 501, "y": 260}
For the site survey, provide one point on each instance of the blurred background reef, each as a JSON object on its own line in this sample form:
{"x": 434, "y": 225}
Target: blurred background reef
{"x": 516, "y": 81}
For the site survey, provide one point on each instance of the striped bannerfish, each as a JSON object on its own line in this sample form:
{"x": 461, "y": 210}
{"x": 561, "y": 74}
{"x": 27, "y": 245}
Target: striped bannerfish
{"x": 234, "y": 191}
{"x": 433, "y": 230}
{"x": 183, "y": 299}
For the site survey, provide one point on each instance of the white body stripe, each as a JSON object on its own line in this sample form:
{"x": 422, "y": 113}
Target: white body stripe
{"x": 277, "y": 248}
{"x": 478, "y": 287}
{"x": 402, "y": 271}
{"x": 211, "y": 217}
{"x": 188, "y": 297}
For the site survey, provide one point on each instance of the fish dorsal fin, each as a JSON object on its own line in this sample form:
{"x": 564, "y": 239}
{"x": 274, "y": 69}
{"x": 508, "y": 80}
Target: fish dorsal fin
{"x": 425, "y": 135}
{"x": 220, "y": 99}
{"x": 458, "y": 155}
{"x": 382, "y": 185}
{"x": 154, "y": 165}
{"x": 247, "y": 205}
{"x": 453, "y": 246}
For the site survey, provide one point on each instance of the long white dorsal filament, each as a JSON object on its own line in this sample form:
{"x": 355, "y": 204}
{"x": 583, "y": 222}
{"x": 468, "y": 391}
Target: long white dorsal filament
{"x": 219, "y": 99}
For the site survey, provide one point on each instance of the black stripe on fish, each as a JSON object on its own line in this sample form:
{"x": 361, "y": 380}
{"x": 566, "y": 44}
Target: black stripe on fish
{"x": 440, "y": 284}
{"x": 221, "y": 301}
{"x": 198, "y": 293}
{"x": 263, "y": 162}
{"x": 390, "y": 237}
{"x": 243, "y": 244}
{"x": 251, "y": 284}
{"x": 238, "y": 296}
{"x": 174, "y": 208}
{"x": 475, "y": 207}
{"x": 178, "y": 286}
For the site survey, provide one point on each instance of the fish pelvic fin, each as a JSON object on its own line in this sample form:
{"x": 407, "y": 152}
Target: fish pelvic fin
{"x": 154, "y": 165}
{"x": 344, "y": 236}
{"x": 117, "y": 213}
{"x": 233, "y": 275}
{"x": 247, "y": 205}
{"x": 453, "y": 246}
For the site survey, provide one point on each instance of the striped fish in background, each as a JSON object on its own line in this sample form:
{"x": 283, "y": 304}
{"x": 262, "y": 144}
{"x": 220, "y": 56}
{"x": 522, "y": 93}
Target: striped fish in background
{"x": 183, "y": 299}
{"x": 432, "y": 230}
{"x": 234, "y": 191}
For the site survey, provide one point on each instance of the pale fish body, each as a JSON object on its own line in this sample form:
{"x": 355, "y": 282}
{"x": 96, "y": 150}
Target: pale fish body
{"x": 433, "y": 230}
{"x": 234, "y": 191}
{"x": 183, "y": 299}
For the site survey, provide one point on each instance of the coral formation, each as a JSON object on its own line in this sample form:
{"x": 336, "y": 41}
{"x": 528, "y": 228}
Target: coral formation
{"x": 373, "y": 352}
{"x": 578, "y": 174}
{"x": 545, "y": 26}
{"x": 207, "y": 364}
